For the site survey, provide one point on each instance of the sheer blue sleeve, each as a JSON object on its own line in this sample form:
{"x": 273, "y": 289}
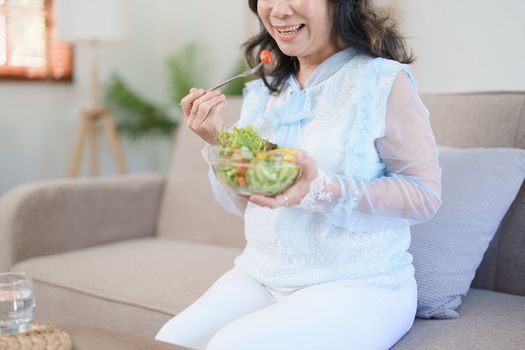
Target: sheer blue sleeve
{"x": 409, "y": 192}
{"x": 230, "y": 201}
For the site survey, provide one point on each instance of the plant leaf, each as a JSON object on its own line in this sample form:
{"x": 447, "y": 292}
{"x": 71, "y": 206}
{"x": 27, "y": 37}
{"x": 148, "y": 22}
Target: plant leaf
{"x": 186, "y": 70}
{"x": 135, "y": 116}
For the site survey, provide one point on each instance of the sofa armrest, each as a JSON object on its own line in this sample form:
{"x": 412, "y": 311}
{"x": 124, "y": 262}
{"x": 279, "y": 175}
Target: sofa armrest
{"x": 56, "y": 216}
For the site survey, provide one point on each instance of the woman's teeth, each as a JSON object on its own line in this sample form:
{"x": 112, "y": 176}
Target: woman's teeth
{"x": 290, "y": 30}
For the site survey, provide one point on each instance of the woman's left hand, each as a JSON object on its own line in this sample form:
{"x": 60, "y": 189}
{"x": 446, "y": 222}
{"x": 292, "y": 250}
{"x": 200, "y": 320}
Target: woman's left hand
{"x": 295, "y": 193}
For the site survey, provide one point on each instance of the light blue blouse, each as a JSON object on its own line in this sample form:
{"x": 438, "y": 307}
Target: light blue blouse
{"x": 373, "y": 138}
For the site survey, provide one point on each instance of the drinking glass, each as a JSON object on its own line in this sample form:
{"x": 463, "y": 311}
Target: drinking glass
{"x": 17, "y": 304}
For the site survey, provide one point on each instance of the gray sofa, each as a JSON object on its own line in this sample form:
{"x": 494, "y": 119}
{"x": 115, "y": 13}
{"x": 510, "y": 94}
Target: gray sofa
{"x": 129, "y": 252}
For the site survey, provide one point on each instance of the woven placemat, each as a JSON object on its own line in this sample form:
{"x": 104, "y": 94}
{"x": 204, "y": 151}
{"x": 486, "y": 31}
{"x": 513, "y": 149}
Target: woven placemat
{"x": 41, "y": 336}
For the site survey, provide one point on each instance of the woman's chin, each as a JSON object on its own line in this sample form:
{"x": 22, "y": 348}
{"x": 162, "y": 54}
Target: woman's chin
{"x": 288, "y": 50}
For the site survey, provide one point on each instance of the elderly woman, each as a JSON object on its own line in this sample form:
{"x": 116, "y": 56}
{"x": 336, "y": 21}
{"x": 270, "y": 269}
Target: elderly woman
{"x": 326, "y": 264}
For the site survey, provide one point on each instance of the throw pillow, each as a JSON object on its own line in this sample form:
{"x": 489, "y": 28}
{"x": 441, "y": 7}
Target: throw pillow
{"x": 478, "y": 187}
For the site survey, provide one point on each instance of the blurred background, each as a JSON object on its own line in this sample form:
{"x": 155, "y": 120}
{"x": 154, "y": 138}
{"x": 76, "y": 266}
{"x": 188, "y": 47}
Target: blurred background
{"x": 167, "y": 45}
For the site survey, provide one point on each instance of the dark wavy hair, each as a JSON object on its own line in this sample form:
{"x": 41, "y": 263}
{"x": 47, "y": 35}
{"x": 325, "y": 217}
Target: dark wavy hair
{"x": 356, "y": 22}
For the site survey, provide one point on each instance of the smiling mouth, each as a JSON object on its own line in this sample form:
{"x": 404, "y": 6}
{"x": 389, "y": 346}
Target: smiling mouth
{"x": 289, "y": 30}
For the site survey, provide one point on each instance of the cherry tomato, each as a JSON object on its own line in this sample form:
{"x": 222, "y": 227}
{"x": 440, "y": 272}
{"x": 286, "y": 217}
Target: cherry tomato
{"x": 242, "y": 170}
{"x": 242, "y": 181}
{"x": 266, "y": 57}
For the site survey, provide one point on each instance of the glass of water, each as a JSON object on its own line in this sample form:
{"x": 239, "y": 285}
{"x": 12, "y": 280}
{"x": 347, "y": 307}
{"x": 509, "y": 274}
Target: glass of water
{"x": 17, "y": 304}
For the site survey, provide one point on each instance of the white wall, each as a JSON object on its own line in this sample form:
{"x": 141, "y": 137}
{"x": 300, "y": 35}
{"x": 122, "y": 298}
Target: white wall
{"x": 466, "y": 45}
{"x": 38, "y": 121}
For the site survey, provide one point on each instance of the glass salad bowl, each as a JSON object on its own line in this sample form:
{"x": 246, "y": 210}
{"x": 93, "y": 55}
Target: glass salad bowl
{"x": 244, "y": 172}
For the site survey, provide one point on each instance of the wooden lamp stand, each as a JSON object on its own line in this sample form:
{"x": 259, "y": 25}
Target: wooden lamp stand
{"x": 89, "y": 126}
{"x": 90, "y": 119}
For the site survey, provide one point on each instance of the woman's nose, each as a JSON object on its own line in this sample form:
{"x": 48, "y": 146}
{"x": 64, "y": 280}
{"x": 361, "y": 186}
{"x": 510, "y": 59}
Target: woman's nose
{"x": 281, "y": 9}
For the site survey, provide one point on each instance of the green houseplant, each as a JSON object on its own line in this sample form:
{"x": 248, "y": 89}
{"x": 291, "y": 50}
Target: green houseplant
{"x": 137, "y": 117}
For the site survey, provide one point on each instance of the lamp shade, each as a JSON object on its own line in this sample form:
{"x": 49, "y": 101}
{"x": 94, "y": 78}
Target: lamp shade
{"x": 91, "y": 20}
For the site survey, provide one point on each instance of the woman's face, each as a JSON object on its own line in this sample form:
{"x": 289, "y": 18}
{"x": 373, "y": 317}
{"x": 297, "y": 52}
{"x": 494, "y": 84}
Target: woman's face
{"x": 301, "y": 28}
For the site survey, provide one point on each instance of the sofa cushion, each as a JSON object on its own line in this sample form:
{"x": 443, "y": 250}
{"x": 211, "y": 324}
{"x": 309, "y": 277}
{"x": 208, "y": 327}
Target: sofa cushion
{"x": 136, "y": 286}
{"x": 478, "y": 187}
{"x": 132, "y": 286}
{"x": 189, "y": 209}
{"x": 487, "y": 119}
{"x": 488, "y": 320}
{"x": 503, "y": 266}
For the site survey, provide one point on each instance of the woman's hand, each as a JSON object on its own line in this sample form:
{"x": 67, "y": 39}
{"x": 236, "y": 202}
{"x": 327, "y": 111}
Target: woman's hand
{"x": 201, "y": 111}
{"x": 293, "y": 195}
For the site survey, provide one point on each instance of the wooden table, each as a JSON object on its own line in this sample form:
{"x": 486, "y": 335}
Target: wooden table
{"x": 91, "y": 338}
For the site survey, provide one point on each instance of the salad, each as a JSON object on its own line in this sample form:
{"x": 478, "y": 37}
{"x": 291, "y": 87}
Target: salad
{"x": 250, "y": 164}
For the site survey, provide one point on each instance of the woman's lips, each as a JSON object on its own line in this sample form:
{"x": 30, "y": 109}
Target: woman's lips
{"x": 288, "y": 33}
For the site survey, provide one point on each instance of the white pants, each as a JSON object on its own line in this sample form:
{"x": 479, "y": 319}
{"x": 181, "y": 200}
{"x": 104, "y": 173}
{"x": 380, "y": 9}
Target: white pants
{"x": 238, "y": 313}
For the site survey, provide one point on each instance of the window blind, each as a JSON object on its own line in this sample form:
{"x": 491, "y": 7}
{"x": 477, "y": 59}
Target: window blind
{"x": 28, "y": 48}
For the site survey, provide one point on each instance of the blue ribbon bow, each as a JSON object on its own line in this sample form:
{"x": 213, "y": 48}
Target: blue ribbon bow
{"x": 287, "y": 117}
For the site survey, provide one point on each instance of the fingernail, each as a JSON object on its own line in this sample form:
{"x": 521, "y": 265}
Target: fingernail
{"x": 192, "y": 89}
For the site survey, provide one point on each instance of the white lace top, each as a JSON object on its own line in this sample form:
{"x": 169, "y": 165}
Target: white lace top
{"x": 371, "y": 139}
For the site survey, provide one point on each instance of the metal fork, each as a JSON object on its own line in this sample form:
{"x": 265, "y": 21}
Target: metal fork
{"x": 242, "y": 75}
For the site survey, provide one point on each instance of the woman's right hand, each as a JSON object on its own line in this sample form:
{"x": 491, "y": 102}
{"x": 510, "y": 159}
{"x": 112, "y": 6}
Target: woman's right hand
{"x": 201, "y": 111}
